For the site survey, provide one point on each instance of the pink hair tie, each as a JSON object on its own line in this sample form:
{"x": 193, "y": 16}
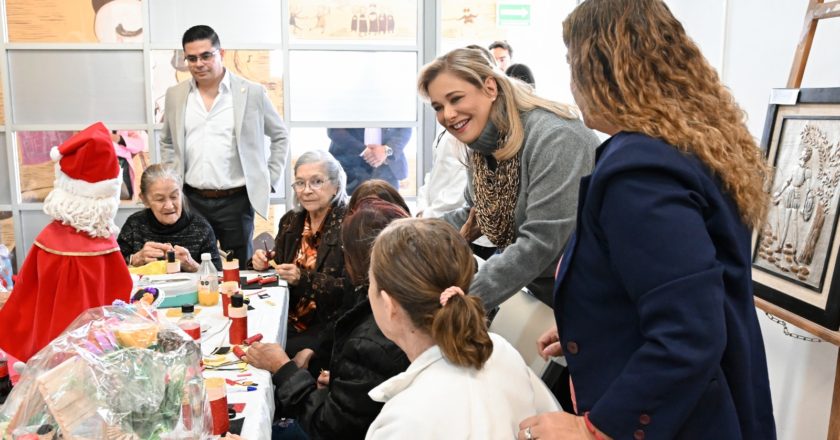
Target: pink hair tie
{"x": 449, "y": 293}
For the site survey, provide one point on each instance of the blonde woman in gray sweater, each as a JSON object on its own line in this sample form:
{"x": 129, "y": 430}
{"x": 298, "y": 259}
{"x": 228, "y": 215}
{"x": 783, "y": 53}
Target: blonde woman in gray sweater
{"x": 526, "y": 156}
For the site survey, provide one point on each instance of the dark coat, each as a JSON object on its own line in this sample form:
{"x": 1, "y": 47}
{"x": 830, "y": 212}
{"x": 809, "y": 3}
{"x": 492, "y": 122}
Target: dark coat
{"x": 328, "y": 282}
{"x": 346, "y": 144}
{"x": 654, "y": 301}
{"x": 362, "y": 359}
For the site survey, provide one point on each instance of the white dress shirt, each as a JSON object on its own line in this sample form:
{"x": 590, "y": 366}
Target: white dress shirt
{"x": 435, "y": 399}
{"x": 373, "y": 136}
{"x": 211, "y": 154}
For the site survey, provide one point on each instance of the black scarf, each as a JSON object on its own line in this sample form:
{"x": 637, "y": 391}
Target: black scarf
{"x": 160, "y": 228}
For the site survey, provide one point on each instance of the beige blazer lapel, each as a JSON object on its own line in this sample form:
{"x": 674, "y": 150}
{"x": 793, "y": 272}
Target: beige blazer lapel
{"x": 239, "y": 93}
{"x": 180, "y": 131}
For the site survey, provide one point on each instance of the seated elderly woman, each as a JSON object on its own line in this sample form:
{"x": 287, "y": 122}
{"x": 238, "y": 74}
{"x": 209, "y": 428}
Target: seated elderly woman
{"x": 336, "y": 403}
{"x": 463, "y": 382}
{"x": 317, "y": 356}
{"x": 307, "y": 250}
{"x": 166, "y": 224}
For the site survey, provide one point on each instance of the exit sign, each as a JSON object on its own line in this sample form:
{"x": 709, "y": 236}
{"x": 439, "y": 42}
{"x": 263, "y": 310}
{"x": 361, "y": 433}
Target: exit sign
{"x": 513, "y": 14}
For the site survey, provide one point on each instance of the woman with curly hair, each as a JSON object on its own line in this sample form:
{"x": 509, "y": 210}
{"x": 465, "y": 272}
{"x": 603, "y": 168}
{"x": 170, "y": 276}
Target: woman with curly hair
{"x": 654, "y": 298}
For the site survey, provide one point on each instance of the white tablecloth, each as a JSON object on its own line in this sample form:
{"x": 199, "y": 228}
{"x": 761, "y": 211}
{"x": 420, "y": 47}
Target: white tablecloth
{"x": 268, "y": 317}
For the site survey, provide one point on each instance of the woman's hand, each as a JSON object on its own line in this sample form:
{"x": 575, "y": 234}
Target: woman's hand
{"x": 470, "y": 231}
{"x": 548, "y": 344}
{"x": 150, "y": 252}
{"x": 323, "y": 380}
{"x": 303, "y": 357}
{"x": 289, "y": 272}
{"x": 187, "y": 262}
{"x": 268, "y": 357}
{"x": 230, "y": 436}
{"x": 259, "y": 260}
{"x": 555, "y": 425}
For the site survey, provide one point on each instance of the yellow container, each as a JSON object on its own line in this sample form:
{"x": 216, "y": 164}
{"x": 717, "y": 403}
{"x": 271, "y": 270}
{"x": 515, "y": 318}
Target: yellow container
{"x": 208, "y": 297}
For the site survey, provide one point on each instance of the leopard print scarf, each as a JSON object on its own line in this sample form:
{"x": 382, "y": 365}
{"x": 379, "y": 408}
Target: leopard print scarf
{"x": 496, "y": 192}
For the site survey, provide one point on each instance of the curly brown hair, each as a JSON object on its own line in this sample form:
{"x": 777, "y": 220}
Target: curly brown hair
{"x": 634, "y": 67}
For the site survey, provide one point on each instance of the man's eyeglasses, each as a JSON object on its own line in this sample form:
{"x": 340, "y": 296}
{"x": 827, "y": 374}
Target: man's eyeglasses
{"x": 315, "y": 184}
{"x": 206, "y": 56}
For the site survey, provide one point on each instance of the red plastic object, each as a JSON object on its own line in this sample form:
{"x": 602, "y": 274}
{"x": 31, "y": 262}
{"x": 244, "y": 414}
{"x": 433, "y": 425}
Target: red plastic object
{"x": 256, "y": 338}
{"x": 269, "y": 279}
{"x": 238, "y": 351}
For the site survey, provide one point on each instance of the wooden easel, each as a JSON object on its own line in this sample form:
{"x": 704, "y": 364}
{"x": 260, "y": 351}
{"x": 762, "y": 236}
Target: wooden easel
{"x": 817, "y": 10}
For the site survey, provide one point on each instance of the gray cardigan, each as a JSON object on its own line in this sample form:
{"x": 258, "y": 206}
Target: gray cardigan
{"x": 556, "y": 153}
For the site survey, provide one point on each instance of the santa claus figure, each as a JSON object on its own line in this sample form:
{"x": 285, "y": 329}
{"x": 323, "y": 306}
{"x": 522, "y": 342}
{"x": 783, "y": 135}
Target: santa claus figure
{"x": 75, "y": 263}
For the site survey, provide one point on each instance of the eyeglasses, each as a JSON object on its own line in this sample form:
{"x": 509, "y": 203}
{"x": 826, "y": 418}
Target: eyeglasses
{"x": 314, "y": 184}
{"x": 206, "y": 56}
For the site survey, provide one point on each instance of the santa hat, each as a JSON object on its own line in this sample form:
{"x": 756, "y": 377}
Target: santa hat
{"x": 87, "y": 184}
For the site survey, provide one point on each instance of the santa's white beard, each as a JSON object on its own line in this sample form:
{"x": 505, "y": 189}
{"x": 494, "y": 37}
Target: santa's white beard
{"x": 94, "y": 216}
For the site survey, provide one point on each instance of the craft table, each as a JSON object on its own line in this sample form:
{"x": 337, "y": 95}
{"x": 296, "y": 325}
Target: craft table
{"x": 268, "y": 317}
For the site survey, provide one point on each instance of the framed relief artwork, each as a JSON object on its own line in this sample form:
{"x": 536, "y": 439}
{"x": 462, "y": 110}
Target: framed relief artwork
{"x": 795, "y": 253}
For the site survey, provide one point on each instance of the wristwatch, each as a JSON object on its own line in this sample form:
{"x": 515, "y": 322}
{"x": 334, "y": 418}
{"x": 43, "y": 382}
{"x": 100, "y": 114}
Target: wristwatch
{"x": 389, "y": 151}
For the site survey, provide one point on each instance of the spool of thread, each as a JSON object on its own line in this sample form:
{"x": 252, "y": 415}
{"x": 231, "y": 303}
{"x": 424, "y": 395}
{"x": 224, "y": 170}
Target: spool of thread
{"x": 238, "y": 314}
{"x": 227, "y": 289}
{"x": 230, "y": 270}
{"x": 172, "y": 265}
{"x": 217, "y": 395}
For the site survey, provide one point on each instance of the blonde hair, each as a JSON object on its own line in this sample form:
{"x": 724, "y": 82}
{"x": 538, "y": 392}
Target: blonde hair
{"x": 414, "y": 261}
{"x": 633, "y": 66}
{"x": 513, "y": 96}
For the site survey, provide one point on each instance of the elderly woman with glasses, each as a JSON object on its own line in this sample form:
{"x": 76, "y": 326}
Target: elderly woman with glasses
{"x": 307, "y": 250}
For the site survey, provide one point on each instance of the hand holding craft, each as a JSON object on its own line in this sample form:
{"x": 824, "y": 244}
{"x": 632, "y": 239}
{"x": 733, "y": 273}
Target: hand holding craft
{"x": 269, "y": 357}
{"x": 288, "y": 272}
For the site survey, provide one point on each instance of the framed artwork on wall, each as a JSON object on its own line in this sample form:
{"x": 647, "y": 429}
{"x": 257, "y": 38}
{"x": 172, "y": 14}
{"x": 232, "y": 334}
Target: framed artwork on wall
{"x": 795, "y": 253}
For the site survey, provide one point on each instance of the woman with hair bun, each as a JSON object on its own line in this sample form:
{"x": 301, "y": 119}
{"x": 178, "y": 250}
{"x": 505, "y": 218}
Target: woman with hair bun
{"x": 463, "y": 382}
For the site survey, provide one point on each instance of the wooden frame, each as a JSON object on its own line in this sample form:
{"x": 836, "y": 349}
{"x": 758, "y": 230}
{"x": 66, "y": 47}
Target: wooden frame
{"x": 795, "y": 255}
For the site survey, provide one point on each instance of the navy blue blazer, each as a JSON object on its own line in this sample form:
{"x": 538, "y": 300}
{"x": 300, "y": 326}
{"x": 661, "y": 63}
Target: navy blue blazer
{"x": 654, "y": 301}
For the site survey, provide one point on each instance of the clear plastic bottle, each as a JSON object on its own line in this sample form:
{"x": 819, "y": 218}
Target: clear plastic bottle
{"x": 208, "y": 282}
{"x": 188, "y": 323}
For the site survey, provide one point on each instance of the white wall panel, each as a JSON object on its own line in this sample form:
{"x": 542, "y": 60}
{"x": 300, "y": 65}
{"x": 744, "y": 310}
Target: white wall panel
{"x": 238, "y": 23}
{"x": 77, "y": 87}
{"x": 352, "y": 86}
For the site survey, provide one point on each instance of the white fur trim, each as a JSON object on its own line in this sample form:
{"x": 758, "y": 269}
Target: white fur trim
{"x": 103, "y": 189}
{"x": 55, "y": 155}
{"x": 94, "y": 216}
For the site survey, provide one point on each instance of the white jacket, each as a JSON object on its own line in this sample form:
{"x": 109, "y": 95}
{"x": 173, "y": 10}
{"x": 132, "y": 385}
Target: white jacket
{"x": 444, "y": 186}
{"x": 435, "y": 399}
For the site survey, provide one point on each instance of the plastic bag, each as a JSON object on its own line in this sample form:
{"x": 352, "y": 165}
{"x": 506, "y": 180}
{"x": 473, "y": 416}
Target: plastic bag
{"x": 117, "y": 372}
{"x": 5, "y": 268}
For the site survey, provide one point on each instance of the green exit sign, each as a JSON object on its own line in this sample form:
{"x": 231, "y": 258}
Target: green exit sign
{"x": 513, "y": 14}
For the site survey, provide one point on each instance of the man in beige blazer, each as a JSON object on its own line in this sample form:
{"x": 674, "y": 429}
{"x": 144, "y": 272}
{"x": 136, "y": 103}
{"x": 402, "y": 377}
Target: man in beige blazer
{"x": 214, "y": 131}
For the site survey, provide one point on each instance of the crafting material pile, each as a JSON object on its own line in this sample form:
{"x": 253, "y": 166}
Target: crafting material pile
{"x": 117, "y": 372}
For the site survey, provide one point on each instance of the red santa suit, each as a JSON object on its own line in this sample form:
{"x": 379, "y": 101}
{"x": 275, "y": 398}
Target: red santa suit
{"x": 75, "y": 263}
